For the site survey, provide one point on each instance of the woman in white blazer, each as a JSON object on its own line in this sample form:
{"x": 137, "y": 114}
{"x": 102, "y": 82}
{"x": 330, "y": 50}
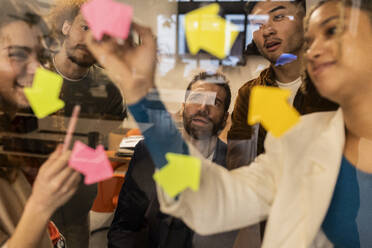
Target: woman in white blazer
{"x": 307, "y": 182}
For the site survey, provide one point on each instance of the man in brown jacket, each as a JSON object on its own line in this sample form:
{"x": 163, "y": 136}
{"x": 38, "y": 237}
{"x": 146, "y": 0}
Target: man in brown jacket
{"x": 280, "y": 31}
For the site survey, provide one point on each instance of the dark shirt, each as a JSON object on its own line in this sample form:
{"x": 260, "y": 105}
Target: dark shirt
{"x": 137, "y": 217}
{"x": 138, "y": 221}
{"x": 99, "y": 99}
{"x": 97, "y": 96}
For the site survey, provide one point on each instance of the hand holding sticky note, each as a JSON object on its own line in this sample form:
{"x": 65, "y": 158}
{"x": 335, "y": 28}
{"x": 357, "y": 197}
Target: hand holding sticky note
{"x": 43, "y": 96}
{"x": 270, "y": 107}
{"x": 108, "y": 17}
{"x": 210, "y": 32}
{"x": 180, "y": 173}
{"x": 94, "y": 164}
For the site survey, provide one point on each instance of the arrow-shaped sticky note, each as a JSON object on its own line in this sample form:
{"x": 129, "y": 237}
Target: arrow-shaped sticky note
{"x": 43, "y": 96}
{"x": 181, "y": 172}
{"x": 206, "y": 30}
{"x": 94, "y": 164}
{"x": 108, "y": 17}
{"x": 270, "y": 107}
{"x": 285, "y": 58}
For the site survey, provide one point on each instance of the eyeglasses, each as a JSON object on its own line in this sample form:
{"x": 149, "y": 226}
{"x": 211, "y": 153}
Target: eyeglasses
{"x": 22, "y": 55}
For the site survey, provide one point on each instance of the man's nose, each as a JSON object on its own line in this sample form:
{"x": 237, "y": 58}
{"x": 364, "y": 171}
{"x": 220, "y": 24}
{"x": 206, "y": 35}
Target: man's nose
{"x": 204, "y": 105}
{"x": 268, "y": 29}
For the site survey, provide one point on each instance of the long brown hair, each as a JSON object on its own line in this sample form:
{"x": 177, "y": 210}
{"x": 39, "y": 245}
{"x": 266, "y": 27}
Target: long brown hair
{"x": 11, "y": 11}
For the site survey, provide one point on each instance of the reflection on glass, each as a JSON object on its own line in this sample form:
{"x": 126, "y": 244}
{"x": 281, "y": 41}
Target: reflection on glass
{"x": 236, "y": 52}
{"x": 166, "y": 34}
{"x": 209, "y": 64}
{"x": 191, "y": 64}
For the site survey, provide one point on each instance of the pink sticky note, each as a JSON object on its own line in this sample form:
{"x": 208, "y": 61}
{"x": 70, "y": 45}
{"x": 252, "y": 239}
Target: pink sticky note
{"x": 93, "y": 164}
{"x": 108, "y": 17}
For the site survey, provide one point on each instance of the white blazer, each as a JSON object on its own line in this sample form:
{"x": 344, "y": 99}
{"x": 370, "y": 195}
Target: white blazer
{"x": 291, "y": 184}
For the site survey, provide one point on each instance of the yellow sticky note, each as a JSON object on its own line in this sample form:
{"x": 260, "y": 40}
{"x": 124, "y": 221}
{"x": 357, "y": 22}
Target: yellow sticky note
{"x": 270, "y": 107}
{"x": 206, "y": 30}
{"x": 43, "y": 96}
{"x": 180, "y": 173}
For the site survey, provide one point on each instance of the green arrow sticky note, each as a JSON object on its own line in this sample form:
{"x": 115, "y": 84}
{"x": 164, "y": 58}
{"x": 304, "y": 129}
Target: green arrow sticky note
{"x": 43, "y": 96}
{"x": 180, "y": 173}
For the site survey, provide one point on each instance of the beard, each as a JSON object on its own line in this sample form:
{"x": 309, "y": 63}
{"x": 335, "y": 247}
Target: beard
{"x": 199, "y": 133}
{"x": 86, "y": 60}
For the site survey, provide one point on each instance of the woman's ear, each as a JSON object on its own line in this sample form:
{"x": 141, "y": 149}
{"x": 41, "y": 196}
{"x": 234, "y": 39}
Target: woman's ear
{"x": 66, "y": 28}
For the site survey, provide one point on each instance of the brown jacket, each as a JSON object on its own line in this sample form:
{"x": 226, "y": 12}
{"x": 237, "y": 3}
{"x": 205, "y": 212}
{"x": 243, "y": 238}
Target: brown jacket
{"x": 13, "y": 197}
{"x": 304, "y": 103}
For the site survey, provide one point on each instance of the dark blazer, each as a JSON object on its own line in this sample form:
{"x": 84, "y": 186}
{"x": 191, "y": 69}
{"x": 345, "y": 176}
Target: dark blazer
{"x": 138, "y": 221}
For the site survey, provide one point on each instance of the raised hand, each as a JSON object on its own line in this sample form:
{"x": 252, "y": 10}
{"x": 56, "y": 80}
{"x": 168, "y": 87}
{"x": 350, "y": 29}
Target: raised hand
{"x": 130, "y": 67}
{"x": 54, "y": 185}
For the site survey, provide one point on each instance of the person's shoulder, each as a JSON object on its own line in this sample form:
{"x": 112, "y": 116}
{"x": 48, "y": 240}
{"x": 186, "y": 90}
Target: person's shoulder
{"x": 318, "y": 119}
{"x": 141, "y": 148}
{"x": 303, "y": 135}
{"x": 221, "y": 147}
{"x": 249, "y": 85}
{"x": 15, "y": 186}
{"x": 141, "y": 168}
{"x": 97, "y": 73}
{"x": 220, "y": 153}
{"x": 221, "y": 144}
{"x": 313, "y": 123}
{"x": 310, "y": 126}
{"x": 260, "y": 80}
{"x": 97, "y": 70}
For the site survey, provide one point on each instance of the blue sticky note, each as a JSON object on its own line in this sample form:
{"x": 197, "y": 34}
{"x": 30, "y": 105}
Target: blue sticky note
{"x": 285, "y": 58}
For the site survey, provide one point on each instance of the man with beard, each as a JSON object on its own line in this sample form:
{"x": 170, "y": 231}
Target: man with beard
{"x": 84, "y": 81}
{"x": 280, "y": 31}
{"x": 138, "y": 221}
{"x": 85, "y": 85}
